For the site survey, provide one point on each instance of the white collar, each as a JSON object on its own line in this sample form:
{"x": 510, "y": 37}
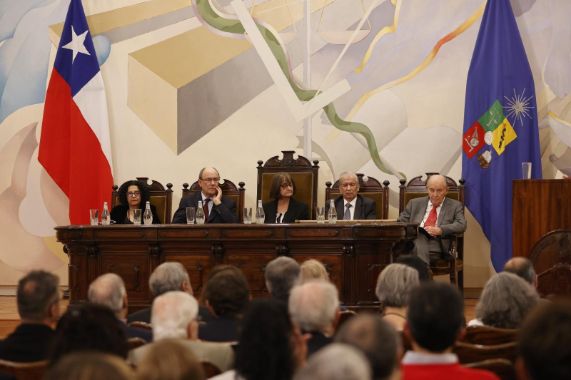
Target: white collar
{"x": 412, "y": 357}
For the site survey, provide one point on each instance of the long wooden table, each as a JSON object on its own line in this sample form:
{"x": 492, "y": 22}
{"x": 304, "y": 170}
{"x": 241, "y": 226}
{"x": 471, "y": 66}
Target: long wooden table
{"x": 353, "y": 253}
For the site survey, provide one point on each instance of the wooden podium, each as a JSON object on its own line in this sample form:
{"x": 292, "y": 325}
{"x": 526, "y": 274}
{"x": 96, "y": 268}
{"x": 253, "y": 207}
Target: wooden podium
{"x": 538, "y": 207}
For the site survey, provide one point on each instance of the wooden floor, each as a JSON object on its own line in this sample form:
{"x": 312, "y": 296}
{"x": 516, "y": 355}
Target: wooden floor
{"x": 9, "y": 314}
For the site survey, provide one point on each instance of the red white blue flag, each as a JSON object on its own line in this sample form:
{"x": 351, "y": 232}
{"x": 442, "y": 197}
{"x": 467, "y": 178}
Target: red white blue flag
{"x": 75, "y": 147}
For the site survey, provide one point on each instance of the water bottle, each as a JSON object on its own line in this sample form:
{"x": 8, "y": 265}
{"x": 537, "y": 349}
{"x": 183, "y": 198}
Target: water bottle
{"x": 105, "y": 217}
{"x": 332, "y": 213}
{"x": 148, "y": 215}
{"x": 199, "y": 216}
{"x": 260, "y": 216}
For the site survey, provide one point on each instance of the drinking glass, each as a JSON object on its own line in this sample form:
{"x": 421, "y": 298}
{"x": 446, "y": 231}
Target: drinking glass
{"x": 320, "y": 211}
{"x": 93, "y": 216}
{"x": 247, "y": 215}
{"x": 526, "y": 170}
{"x": 190, "y": 213}
{"x": 137, "y": 216}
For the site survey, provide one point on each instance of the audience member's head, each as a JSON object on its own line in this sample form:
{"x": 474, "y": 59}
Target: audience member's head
{"x": 174, "y": 316}
{"x": 314, "y": 306}
{"x": 435, "y": 316}
{"x": 505, "y": 301}
{"x": 417, "y": 263}
{"x": 312, "y": 270}
{"x": 336, "y": 362}
{"x": 109, "y": 290}
{"x": 376, "y": 339}
{"x": 544, "y": 343}
{"x": 168, "y": 276}
{"x": 281, "y": 275}
{"x": 38, "y": 298}
{"x": 522, "y": 267}
{"x": 88, "y": 327}
{"x": 89, "y": 365}
{"x": 169, "y": 360}
{"x": 269, "y": 347}
{"x": 227, "y": 293}
{"x": 394, "y": 285}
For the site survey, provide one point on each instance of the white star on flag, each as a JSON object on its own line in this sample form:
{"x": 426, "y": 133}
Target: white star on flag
{"x": 77, "y": 44}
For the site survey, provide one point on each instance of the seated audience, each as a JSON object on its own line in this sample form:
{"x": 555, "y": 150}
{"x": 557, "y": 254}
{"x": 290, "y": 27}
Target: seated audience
{"x": 311, "y": 270}
{"x": 132, "y": 195}
{"x": 393, "y": 288}
{"x": 217, "y": 207}
{"x": 434, "y": 322}
{"x": 314, "y": 308}
{"x": 38, "y": 300}
{"x": 284, "y": 208}
{"x": 505, "y": 301}
{"x": 522, "y": 267}
{"x": 378, "y": 340}
{"x": 169, "y": 359}
{"x": 89, "y": 365}
{"x": 281, "y": 275}
{"x": 543, "y": 344}
{"x": 88, "y": 327}
{"x": 109, "y": 290}
{"x": 174, "y": 317}
{"x": 226, "y": 294}
{"x": 269, "y": 347}
{"x": 336, "y": 362}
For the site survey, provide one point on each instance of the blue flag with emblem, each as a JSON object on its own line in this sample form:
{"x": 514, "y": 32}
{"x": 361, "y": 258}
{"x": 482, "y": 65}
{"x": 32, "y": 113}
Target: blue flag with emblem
{"x": 500, "y": 126}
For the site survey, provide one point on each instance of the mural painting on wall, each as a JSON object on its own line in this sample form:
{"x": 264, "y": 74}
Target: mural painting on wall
{"x": 385, "y": 95}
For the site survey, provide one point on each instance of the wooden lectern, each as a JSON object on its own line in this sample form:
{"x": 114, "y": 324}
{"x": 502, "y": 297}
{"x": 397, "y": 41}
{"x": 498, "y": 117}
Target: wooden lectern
{"x": 538, "y": 207}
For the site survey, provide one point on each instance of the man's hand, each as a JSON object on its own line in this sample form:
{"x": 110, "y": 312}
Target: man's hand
{"x": 434, "y": 231}
{"x": 218, "y": 197}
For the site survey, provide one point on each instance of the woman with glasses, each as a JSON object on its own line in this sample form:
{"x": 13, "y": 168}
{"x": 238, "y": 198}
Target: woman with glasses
{"x": 284, "y": 208}
{"x": 132, "y": 195}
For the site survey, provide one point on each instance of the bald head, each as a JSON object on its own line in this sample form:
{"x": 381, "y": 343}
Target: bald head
{"x": 109, "y": 290}
{"x": 437, "y": 189}
{"x": 522, "y": 267}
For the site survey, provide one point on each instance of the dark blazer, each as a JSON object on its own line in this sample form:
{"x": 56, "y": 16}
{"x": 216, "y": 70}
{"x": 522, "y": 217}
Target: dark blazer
{"x": 144, "y": 315}
{"x": 135, "y": 332}
{"x": 365, "y": 208}
{"x": 219, "y": 330}
{"x": 295, "y": 211}
{"x": 119, "y": 214}
{"x": 28, "y": 343}
{"x": 225, "y": 212}
{"x": 450, "y": 219}
{"x": 316, "y": 342}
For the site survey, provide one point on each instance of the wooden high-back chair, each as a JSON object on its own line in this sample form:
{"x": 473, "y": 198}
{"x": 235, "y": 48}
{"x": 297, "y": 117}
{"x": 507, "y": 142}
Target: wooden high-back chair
{"x": 368, "y": 187}
{"x": 551, "y": 258}
{"x": 159, "y": 196}
{"x": 302, "y": 172}
{"x": 229, "y": 190}
{"x": 416, "y": 188}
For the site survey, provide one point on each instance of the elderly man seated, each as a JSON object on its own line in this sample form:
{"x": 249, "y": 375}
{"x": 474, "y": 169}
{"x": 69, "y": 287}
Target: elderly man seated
{"x": 437, "y": 215}
{"x": 314, "y": 308}
{"x": 174, "y": 317}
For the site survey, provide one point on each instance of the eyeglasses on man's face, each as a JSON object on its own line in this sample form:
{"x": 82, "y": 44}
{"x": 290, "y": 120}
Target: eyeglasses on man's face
{"x": 213, "y": 179}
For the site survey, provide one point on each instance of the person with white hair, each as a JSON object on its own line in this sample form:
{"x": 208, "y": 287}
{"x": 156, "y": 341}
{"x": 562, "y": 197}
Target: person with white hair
{"x": 109, "y": 290}
{"x": 350, "y": 205}
{"x": 174, "y": 317}
{"x": 314, "y": 308}
{"x": 336, "y": 362}
{"x": 281, "y": 274}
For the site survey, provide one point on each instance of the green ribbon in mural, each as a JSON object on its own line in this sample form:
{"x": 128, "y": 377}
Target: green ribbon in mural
{"x": 233, "y": 26}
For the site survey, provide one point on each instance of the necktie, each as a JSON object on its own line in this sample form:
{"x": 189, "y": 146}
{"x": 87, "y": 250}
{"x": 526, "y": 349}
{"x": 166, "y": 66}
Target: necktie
{"x": 205, "y": 208}
{"x": 347, "y": 215}
{"x": 431, "y": 220}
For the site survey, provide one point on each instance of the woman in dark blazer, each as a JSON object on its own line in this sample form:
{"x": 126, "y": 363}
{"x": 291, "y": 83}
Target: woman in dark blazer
{"x": 132, "y": 195}
{"x": 284, "y": 208}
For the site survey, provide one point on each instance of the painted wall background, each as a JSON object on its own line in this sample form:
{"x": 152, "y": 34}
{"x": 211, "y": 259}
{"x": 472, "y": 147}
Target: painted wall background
{"x": 181, "y": 97}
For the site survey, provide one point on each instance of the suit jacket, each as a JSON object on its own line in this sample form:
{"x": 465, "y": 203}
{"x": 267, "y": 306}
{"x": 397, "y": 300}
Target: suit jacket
{"x": 365, "y": 208}
{"x": 28, "y": 343}
{"x": 119, "y": 214}
{"x": 451, "y": 220}
{"x": 144, "y": 315}
{"x": 225, "y": 212}
{"x": 295, "y": 211}
{"x": 219, "y": 330}
{"x": 135, "y": 332}
{"x": 316, "y": 342}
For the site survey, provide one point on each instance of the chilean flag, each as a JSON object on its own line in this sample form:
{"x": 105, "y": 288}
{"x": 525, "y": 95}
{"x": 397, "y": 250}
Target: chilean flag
{"x": 75, "y": 147}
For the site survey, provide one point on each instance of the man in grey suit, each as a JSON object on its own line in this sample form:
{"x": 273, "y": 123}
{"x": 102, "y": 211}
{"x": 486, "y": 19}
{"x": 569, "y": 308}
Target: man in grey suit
{"x": 350, "y": 205}
{"x": 438, "y": 215}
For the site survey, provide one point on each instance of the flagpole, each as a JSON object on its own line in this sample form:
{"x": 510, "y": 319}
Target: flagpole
{"x": 307, "y": 76}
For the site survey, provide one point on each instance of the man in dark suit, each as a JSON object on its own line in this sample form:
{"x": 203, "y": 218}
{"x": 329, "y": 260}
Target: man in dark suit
{"x": 437, "y": 215}
{"x": 350, "y": 205}
{"x": 220, "y": 209}
{"x": 38, "y": 299}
